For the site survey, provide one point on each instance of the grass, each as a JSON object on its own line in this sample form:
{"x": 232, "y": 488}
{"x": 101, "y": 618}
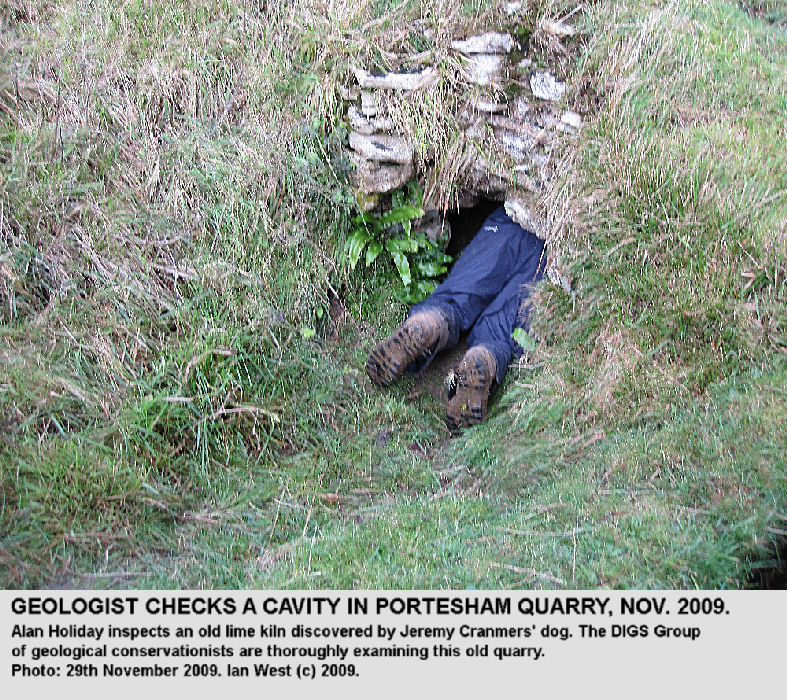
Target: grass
{"x": 172, "y": 211}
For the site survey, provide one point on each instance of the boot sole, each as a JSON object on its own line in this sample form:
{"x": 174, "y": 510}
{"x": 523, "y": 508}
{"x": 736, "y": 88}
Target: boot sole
{"x": 469, "y": 404}
{"x": 391, "y": 357}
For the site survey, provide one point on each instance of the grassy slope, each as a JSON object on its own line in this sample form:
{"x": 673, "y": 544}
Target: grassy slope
{"x": 165, "y": 422}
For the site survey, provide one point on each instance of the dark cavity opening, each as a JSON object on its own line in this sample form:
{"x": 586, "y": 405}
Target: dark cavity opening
{"x": 466, "y": 222}
{"x": 773, "y": 575}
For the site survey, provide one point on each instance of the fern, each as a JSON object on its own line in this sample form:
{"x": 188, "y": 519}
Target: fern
{"x": 417, "y": 259}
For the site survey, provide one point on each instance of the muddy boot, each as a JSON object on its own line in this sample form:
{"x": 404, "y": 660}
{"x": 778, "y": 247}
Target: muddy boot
{"x": 473, "y": 381}
{"x": 422, "y": 334}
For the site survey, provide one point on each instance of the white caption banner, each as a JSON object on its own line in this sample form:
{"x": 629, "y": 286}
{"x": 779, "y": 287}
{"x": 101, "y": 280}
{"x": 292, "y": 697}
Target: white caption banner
{"x": 90, "y": 644}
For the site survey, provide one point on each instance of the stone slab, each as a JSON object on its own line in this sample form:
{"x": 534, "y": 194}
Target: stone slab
{"x": 490, "y": 42}
{"x": 484, "y": 69}
{"x": 368, "y": 125}
{"x": 383, "y": 148}
{"x": 396, "y": 81}
{"x": 371, "y": 177}
{"x": 546, "y": 87}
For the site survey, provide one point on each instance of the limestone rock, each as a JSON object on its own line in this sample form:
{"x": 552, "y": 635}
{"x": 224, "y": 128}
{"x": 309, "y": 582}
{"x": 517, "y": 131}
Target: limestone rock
{"x": 515, "y": 145}
{"x": 510, "y": 149}
{"x": 396, "y": 81}
{"x": 368, "y": 125}
{"x": 521, "y": 178}
{"x": 491, "y": 42}
{"x": 369, "y": 105}
{"x": 524, "y": 215}
{"x": 483, "y": 180}
{"x": 513, "y": 7}
{"x": 477, "y": 129}
{"x": 372, "y": 177}
{"x": 489, "y": 106}
{"x": 545, "y": 118}
{"x": 382, "y": 148}
{"x": 571, "y": 119}
{"x": 519, "y": 126}
{"x": 545, "y": 87}
{"x": 540, "y": 160}
{"x": 484, "y": 69}
{"x": 522, "y": 107}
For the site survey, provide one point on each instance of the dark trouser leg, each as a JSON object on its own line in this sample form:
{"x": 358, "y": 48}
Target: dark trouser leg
{"x": 495, "y": 326}
{"x": 499, "y": 253}
{"x": 491, "y": 348}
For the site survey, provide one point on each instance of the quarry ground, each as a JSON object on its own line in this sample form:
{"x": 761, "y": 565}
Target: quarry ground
{"x": 182, "y": 397}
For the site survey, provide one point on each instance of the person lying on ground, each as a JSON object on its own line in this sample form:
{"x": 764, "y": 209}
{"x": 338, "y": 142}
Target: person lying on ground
{"x": 485, "y": 293}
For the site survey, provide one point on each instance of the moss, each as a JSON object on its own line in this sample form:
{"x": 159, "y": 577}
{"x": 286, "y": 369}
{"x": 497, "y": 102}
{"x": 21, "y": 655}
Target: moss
{"x": 522, "y": 33}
